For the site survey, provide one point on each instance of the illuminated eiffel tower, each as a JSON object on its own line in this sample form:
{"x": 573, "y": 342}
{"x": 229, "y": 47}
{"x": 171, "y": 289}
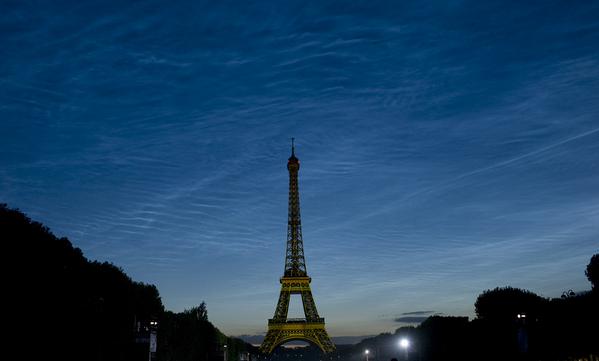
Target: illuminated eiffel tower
{"x": 295, "y": 280}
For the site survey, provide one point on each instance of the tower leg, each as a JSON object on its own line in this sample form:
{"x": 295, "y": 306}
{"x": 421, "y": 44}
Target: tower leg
{"x": 282, "y": 306}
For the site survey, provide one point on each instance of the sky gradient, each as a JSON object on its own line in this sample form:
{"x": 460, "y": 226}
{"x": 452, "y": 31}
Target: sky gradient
{"x": 447, "y": 147}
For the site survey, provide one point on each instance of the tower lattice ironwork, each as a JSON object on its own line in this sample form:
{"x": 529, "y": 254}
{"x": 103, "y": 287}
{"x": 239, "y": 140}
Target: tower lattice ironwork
{"x": 295, "y": 280}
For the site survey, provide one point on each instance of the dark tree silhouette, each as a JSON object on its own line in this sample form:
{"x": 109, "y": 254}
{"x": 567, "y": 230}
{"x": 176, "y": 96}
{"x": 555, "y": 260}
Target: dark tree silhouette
{"x": 73, "y": 308}
{"x": 189, "y": 336}
{"x": 505, "y": 303}
{"x": 592, "y": 271}
{"x": 554, "y": 329}
{"x": 443, "y": 338}
{"x": 506, "y": 323}
{"x": 63, "y": 306}
{"x": 202, "y": 311}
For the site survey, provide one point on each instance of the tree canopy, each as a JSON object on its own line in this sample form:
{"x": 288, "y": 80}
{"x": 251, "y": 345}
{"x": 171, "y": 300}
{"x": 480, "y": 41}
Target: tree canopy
{"x": 76, "y": 309}
{"x": 507, "y": 302}
{"x": 592, "y": 271}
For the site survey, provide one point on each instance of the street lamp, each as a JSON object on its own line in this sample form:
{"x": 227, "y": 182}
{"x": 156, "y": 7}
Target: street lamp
{"x": 522, "y": 333}
{"x": 405, "y": 344}
{"x": 153, "y": 329}
{"x": 367, "y": 352}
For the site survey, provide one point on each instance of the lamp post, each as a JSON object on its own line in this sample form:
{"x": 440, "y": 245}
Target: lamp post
{"x": 225, "y": 353}
{"x": 367, "y": 352}
{"x": 522, "y": 333}
{"x": 405, "y": 344}
{"x": 153, "y": 339}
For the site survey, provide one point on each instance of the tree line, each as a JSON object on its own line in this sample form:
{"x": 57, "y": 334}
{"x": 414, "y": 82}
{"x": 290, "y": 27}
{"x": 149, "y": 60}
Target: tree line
{"x": 62, "y": 306}
{"x": 510, "y": 324}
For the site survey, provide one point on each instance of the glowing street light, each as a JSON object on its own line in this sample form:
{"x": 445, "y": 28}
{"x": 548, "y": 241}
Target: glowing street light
{"x": 405, "y": 344}
{"x": 367, "y": 352}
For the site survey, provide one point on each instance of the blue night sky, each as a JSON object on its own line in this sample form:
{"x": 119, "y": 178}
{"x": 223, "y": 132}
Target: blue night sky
{"x": 447, "y": 147}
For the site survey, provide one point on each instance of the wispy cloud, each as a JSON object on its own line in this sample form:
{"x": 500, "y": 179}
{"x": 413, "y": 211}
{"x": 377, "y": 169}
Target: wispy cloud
{"x": 411, "y": 319}
{"x": 413, "y": 313}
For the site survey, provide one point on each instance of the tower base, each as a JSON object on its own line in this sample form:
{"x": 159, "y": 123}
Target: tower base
{"x": 294, "y": 330}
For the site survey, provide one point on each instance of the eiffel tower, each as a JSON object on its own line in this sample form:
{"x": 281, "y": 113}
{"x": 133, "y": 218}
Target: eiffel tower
{"x": 295, "y": 280}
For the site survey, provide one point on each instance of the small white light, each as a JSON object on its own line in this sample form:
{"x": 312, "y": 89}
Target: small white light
{"x": 367, "y": 352}
{"x": 404, "y": 343}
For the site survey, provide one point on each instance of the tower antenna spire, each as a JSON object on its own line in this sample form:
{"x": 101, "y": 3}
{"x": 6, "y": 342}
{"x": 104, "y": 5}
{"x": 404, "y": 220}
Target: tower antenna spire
{"x": 292, "y": 146}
